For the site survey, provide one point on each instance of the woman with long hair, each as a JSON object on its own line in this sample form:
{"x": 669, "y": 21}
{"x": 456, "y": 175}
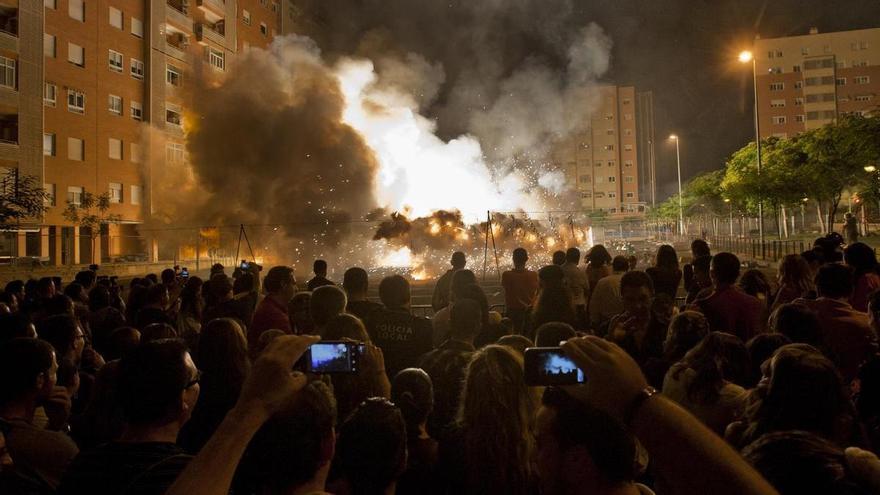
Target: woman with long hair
{"x": 862, "y": 259}
{"x": 686, "y": 330}
{"x": 370, "y": 381}
{"x": 795, "y": 280}
{"x": 224, "y": 365}
{"x": 754, "y": 283}
{"x": 189, "y": 317}
{"x": 554, "y": 302}
{"x": 598, "y": 264}
{"x": 665, "y": 273}
{"x": 707, "y": 381}
{"x": 413, "y": 392}
{"x": 491, "y": 448}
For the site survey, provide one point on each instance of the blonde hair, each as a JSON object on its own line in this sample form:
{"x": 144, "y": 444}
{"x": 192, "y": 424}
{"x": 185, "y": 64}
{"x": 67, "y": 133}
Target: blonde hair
{"x": 496, "y": 416}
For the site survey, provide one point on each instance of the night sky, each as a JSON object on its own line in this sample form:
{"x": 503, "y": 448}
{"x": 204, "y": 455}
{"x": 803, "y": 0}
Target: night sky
{"x": 685, "y": 52}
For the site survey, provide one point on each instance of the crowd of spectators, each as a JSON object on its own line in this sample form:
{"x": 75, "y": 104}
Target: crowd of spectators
{"x": 701, "y": 378}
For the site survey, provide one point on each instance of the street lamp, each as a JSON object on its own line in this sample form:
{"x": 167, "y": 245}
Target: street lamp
{"x": 730, "y": 207}
{"x": 746, "y": 57}
{"x": 674, "y": 137}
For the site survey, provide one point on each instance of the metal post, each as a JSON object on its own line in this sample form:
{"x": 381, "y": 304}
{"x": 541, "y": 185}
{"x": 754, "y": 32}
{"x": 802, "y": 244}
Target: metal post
{"x": 681, "y": 230}
{"x": 758, "y": 150}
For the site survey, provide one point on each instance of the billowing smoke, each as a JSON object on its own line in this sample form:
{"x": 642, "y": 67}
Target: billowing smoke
{"x": 389, "y": 125}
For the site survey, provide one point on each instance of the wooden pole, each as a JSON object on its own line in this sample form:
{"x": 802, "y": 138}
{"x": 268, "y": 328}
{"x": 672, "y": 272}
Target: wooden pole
{"x": 486, "y": 248}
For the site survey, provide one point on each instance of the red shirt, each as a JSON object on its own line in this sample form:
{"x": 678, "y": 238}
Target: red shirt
{"x": 520, "y": 288}
{"x": 270, "y": 315}
{"x": 865, "y": 285}
{"x": 733, "y": 311}
{"x": 845, "y": 332}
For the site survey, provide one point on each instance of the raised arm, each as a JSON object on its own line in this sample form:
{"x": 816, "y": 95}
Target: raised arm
{"x": 688, "y": 456}
{"x": 270, "y": 385}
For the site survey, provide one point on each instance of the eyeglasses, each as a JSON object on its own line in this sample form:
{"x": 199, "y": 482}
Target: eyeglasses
{"x": 195, "y": 381}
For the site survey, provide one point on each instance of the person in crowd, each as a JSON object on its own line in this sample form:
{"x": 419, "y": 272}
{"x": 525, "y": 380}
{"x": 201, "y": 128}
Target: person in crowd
{"x": 554, "y": 302}
{"x": 28, "y": 369}
{"x": 874, "y": 311}
{"x": 440, "y": 298}
{"x": 370, "y": 450}
{"x": 292, "y": 451}
{"x": 798, "y": 462}
{"x": 519, "y": 343}
{"x": 413, "y": 393}
{"x": 802, "y": 390}
{"x": 558, "y": 258}
{"x": 370, "y": 380}
{"x": 65, "y": 335}
{"x": 761, "y": 348}
{"x": 582, "y": 450}
{"x": 599, "y": 264}
{"x": 223, "y": 364}
{"x": 441, "y": 320}
{"x": 87, "y": 279}
{"x": 795, "y": 280}
{"x": 155, "y": 309}
{"x": 16, "y": 325}
{"x": 829, "y": 247}
{"x": 403, "y": 337}
{"x": 168, "y": 278}
{"x": 299, "y": 315}
{"x": 102, "y": 421}
{"x": 701, "y": 281}
{"x": 493, "y": 326}
{"x": 576, "y": 282}
{"x": 265, "y": 339}
{"x": 222, "y": 303}
{"x": 707, "y": 380}
{"x": 850, "y": 228}
{"x": 867, "y": 400}
{"x": 633, "y": 261}
{"x": 636, "y": 329}
{"x": 605, "y": 301}
{"x": 846, "y": 333}
{"x": 103, "y": 317}
{"x": 158, "y": 386}
{"x": 798, "y": 323}
{"x": 122, "y": 341}
{"x": 754, "y": 283}
{"x": 245, "y": 294}
{"x": 157, "y": 331}
{"x": 319, "y": 267}
{"x": 356, "y": 283}
{"x": 686, "y": 330}
{"x": 727, "y": 308}
{"x": 553, "y": 334}
{"x": 699, "y": 248}
{"x": 327, "y": 302}
{"x": 665, "y": 274}
{"x": 520, "y": 290}
{"x": 189, "y": 316}
{"x": 863, "y": 261}
{"x": 447, "y": 363}
{"x": 485, "y": 452}
{"x": 271, "y": 313}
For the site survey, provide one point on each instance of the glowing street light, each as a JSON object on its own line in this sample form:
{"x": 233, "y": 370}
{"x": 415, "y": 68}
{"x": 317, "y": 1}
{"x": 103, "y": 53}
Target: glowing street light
{"x": 745, "y": 57}
{"x": 730, "y": 210}
{"x": 870, "y": 168}
{"x": 674, "y": 137}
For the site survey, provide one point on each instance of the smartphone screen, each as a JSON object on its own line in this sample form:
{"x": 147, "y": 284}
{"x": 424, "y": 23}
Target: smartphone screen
{"x": 550, "y": 366}
{"x": 334, "y": 357}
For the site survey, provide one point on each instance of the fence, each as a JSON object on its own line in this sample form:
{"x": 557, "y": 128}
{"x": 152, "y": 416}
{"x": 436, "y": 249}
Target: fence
{"x": 770, "y": 250}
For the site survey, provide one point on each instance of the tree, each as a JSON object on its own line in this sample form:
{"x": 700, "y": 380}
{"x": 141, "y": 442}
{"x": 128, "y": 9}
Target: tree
{"x": 90, "y": 213}
{"x": 21, "y": 197}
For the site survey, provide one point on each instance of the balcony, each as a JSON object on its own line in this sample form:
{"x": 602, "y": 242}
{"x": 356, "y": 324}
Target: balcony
{"x": 176, "y": 45}
{"x": 208, "y": 6}
{"x": 213, "y": 33}
{"x": 176, "y": 14}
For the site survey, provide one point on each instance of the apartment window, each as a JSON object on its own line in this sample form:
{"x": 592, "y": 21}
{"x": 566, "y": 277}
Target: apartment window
{"x": 841, "y": 64}
{"x": 777, "y": 103}
{"x": 585, "y": 195}
{"x": 246, "y": 17}
{"x": 116, "y": 18}
{"x": 49, "y": 144}
{"x": 135, "y": 195}
{"x": 626, "y": 101}
{"x": 627, "y": 163}
{"x": 627, "y": 132}
{"x": 114, "y": 104}
{"x": 777, "y": 86}
{"x": 628, "y": 179}
{"x": 135, "y": 153}
{"x": 175, "y": 153}
{"x": 598, "y": 164}
{"x": 76, "y": 101}
{"x": 609, "y": 116}
{"x": 627, "y": 116}
{"x": 49, "y": 199}
{"x": 776, "y": 70}
{"x": 600, "y": 195}
{"x": 609, "y": 147}
{"x": 50, "y": 94}
{"x": 630, "y": 195}
{"x": 75, "y": 149}
{"x": 778, "y": 53}
{"x": 826, "y": 48}
{"x": 115, "y": 152}
{"x": 264, "y": 29}
{"x": 816, "y": 98}
{"x": 779, "y": 119}
{"x": 610, "y": 163}
{"x": 627, "y": 147}
{"x": 77, "y": 10}
{"x": 50, "y": 4}
{"x": 823, "y": 63}
{"x": 115, "y": 192}
{"x": 612, "y": 178}
{"x": 612, "y": 195}
{"x": 49, "y": 48}
{"x": 841, "y": 81}
{"x": 7, "y": 72}
{"x": 862, "y": 79}
{"x": 796, "y": 68}
{"x": 173, "y": 75}
{"x": 137, "y": 111}
{"x": 74, "y": 195}
{"x": 137, "y": 27}
{"x": 216, "y": 58}
{"x": 114, "y": 58}
{"x": 798, "y": 84}
{"x": 864, "y": 97}
{"x": 820, "y": 81}
{"x": 172, "y": 115}
{"x": 770, "y": 54}
{"x": 609, "y": 132}
{"x": 586, "y": 179}
{"x": 76, "y": 54}
{"x": 137, "y": 69}
{"x": 805, "y": 51}
{"x": 798, "y": 101}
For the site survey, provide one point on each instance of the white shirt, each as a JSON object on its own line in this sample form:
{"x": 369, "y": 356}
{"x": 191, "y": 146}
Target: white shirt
{"x": 606, "y": 301}
{"x": 578, "y": 285}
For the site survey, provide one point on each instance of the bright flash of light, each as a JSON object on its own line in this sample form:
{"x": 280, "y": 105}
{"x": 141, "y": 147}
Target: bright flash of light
{"x": 550, "y": 242}
{"x": 400, "y": 258}
{"x": 435, "y": 229}
{"x": 745, "y": 56}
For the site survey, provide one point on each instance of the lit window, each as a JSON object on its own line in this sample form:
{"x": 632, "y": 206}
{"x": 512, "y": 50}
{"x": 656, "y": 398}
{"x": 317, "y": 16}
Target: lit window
{"x": 137, "y": 111}
{"x": 777, "y": 86}
{"x": 172, "y": 115}
{"x": 862, "y": 79}
{"x": 49, "y": 198}
{"x": 114, "y": 59}
{"x": 137, "y": 69}
{"x": 49, "y": 144}
{"x": 115, "y": 104}
{"x": 627, "y": 147}
{"x": 246, "y": 17}
{"x": 50, "y": 94}
{"x": 116, "y": 18}
{"x": 115, "y": 192}
{"x": 76, "y": 54}
{"x": 777, "y": 103}
{"x": 76, "y": 101}
{"x": 7, "y": 72}
{"x": 173, "y": 75}
{"x": 216, "y": 58}
{"x": 779, "y": 119}
{"x": 74, "y": 195}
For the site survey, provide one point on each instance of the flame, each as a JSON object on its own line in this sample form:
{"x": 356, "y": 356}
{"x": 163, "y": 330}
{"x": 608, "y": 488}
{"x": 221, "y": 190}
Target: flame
{"x": 420, "y": 274}
{"x": 550, "y": 242}
{"x": 399, "y": 258}
{"x": 435, "y": 228}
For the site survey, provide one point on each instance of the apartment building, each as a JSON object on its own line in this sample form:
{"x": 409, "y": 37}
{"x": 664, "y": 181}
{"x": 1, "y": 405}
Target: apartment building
{"x": 805, "y": 82}
{"x": 602, "y": 161}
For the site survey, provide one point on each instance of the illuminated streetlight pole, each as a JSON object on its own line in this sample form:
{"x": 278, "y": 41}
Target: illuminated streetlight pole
{"x": 730, "y": 207}
{"x": 681, "y": 230}
{"x": 745, "y": 57}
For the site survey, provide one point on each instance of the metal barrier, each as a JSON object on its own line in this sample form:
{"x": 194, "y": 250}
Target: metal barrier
{"x": 770, "y": 250}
